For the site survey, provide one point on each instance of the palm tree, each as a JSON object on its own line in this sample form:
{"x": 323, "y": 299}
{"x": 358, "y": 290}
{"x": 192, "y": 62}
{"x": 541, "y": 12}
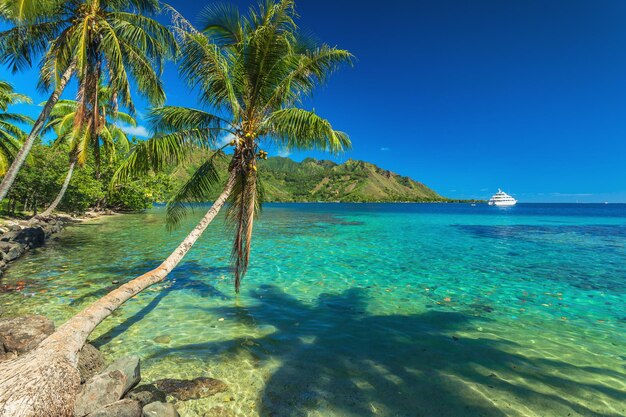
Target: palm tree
{"x": 101, "y": 131}
{"x": 252, "y": 70}
{"x": 112, "y": 40}
{"x": 11, "y": 135}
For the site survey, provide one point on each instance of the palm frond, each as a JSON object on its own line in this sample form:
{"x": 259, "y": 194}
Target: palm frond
{"x": 158, "y": 153}
{"x": 296, "y": 128}
{"x": 195, "y": 190}
{"x": 170, "y": 119}
{"x": 244, "y": 206}
{"x": 206, "y": 68}
{"x": 221, "y": 23}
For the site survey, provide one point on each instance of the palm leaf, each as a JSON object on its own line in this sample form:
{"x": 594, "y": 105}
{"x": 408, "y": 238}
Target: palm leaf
{"x": 296, "y": 128}
{"x": 195, "y": 190}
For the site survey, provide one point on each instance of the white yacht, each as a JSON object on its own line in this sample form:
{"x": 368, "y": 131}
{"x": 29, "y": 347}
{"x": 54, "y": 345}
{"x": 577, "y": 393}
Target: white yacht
{"x": 502, "y": 199}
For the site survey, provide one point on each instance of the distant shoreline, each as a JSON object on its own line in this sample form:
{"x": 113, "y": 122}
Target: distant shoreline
{"x": 413, "y": 202}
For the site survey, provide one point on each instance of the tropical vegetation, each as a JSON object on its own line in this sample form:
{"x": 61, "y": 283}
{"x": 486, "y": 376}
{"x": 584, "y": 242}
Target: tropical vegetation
{"x": 313, "y": 180}
{"x": 40, "y": 180}
{"x": 94, "y": 41}
{"x": 101, "y": 133}
{"x": 252, "y": 73}
{"x": 11, "y": 133}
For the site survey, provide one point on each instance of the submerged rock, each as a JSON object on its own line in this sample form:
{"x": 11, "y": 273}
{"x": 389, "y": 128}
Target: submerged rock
{"x": 219, "y": 412}
{"x": 122, "y": 408}
{"x": 90, "y": 362}
{"x": 160, "y": 409}
{"x": 163, "y": 339}
{"x": 129, "y": 367}
{"x": 99, "y": 391}
{"x": 18, "y": 237}
{"x": 146, "y": 394}
{"x": 11, "y": 251}
{"x": 19, "y": 335}
{"x": 191, "y": 389}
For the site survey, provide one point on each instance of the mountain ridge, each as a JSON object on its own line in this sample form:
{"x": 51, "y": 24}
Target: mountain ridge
{"x": 311, "y": 179}
{"x": 319, "y": 180}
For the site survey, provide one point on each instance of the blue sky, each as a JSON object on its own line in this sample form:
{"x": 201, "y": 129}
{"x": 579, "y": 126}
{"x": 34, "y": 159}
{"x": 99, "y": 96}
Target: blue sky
{"x": 468, "y": 96}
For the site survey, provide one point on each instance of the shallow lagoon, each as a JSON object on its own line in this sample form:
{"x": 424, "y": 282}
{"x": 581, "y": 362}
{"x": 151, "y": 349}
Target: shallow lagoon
{"x": 364, "y": 309}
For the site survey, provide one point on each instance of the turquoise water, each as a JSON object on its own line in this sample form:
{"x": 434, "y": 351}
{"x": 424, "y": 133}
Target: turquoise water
{"x": 365, "y": 309}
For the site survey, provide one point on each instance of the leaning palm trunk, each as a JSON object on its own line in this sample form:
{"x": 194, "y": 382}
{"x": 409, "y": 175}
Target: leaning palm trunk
{"x": 45, "y": 381}
{"x": 11, "y": 174}
{"x": 57, "y": 200}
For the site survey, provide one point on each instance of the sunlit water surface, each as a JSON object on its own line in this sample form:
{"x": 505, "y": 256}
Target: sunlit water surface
{"x": 363, "y": 310}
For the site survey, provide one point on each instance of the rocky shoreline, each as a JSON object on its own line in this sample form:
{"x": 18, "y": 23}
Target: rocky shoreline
{"x": 19, "y": 236}
{"x": 113, "y": 390}
{"x": 106, "y": 391}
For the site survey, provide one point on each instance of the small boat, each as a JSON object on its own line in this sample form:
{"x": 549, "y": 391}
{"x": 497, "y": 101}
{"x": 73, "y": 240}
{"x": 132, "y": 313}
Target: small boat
{"x": 502, "y": 199}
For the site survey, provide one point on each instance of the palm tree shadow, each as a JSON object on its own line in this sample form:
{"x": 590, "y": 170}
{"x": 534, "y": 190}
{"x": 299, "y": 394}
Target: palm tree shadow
{"x": 179, "y": 279}
{"x": 336, "y": 358}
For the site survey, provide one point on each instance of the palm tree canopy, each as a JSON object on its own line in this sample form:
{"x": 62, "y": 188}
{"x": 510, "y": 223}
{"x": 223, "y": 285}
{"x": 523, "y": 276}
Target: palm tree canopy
{"x": 113, "y": 40}
{"x": 8, "y": 96}
{"x": 11, "y": 135}
{"x": 106, "y": 132}
{"x": 252, "y": 73}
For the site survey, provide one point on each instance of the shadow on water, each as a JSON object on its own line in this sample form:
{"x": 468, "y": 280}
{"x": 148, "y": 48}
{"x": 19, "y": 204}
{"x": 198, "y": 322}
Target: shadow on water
{"x": 336, "y": 358}
{"x": 178, "y": 280}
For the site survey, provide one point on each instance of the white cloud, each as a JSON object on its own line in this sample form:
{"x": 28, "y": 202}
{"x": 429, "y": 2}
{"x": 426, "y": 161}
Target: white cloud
{"x": 135, "y": 131}
{"x": 384, "y": 149}
{"x": 284, "y": 153}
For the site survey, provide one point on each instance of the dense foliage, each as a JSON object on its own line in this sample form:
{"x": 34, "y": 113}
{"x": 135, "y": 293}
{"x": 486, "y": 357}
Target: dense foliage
{"x": 11, "y": 133}
{"x": 40, "y": 180}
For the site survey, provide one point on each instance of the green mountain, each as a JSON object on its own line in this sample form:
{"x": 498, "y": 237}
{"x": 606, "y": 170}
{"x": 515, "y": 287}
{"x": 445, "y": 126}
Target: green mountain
{"x": 283, "y": 179}
{"x": 353, "y": 181}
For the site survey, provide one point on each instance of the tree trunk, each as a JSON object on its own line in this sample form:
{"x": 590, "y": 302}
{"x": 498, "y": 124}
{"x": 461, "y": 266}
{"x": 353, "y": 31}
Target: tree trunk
{"x": 46, "y": 381}
{"x": 57, "y": 200}
{"x": 11, "y": 174}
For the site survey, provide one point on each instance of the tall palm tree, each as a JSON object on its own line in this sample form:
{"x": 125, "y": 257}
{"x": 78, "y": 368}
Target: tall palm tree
{"x": 104, "y": 134}
{"x": 112, "y": 40}
{"x": 252, "y": 71}
{"x": 11, "y": 135}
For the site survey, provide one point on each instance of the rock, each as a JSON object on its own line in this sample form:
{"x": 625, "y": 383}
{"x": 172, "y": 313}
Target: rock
{"x": 14, "y": 252}
{"x": 129, "y": 366}
{"x": 33, "y": 236}
{"x": 146, "y": 394}
{"x": 191, "y": 389}
{"x": 122, "y": 408}
{"x": 219, "y": 412}
{"x": 163, "y": 339}
{"x": 160, "y": 409}
{"x": 90, "y": 362}
{"x": 99, "y": 391}
{"x": 22, "y": 334}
